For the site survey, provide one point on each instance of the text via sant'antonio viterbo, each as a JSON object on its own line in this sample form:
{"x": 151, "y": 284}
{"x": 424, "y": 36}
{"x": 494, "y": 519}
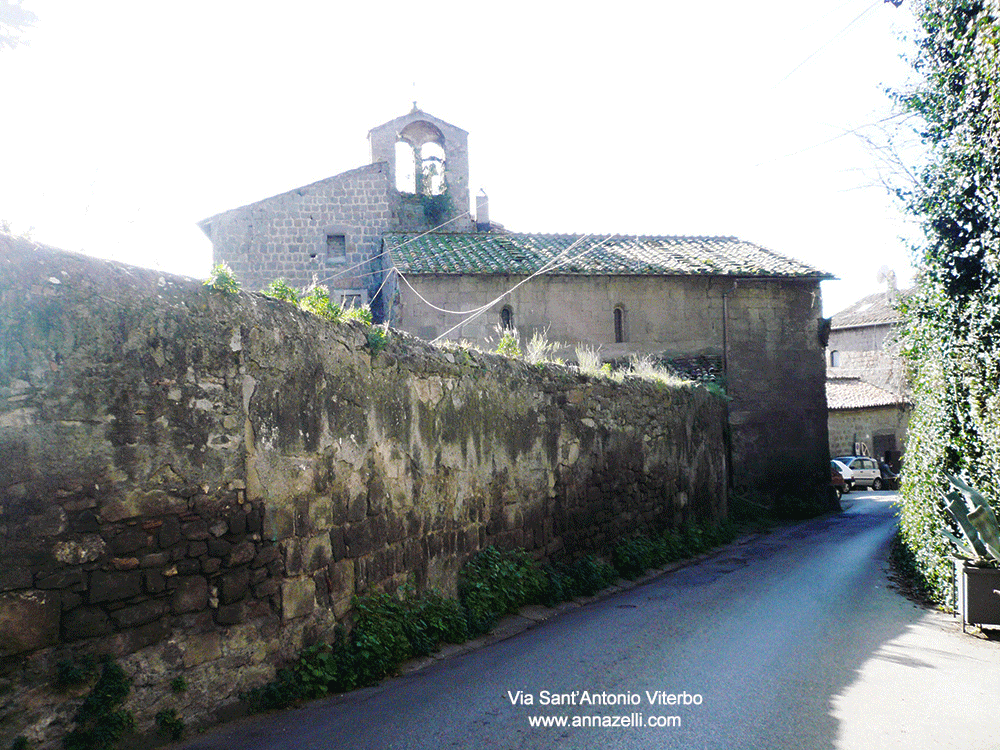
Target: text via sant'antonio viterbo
{"x": 603, "y": 698}
{"x": 634, "y": 715}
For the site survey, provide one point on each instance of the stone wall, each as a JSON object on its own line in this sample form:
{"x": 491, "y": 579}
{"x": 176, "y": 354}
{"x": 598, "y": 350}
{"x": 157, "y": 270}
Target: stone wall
{"x": 286, "y": 235}
{"x": 875, "y": 426}
{"x": 198, "y": 483}
{"x": 870, "y": 353}
{"x": 770, "y": 328}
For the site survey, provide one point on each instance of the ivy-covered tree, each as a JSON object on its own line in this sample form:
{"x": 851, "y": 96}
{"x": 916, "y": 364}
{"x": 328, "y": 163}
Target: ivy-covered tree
{"x": 953, "y": 320}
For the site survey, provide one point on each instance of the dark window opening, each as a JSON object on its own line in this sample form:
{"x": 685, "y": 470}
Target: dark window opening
{"x": 834, "y": 358}
{"x": 619, "y": 325}
{"x": 336, "y": 246}
{"x": 507, "y": 318}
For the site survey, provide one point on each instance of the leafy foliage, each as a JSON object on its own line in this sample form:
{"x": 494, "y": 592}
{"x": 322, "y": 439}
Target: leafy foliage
{"x": 169, "y": 724}
{"x": 360, "y": 313}
{"x": 223, "y": 280}
{"x": 952, "y": 335}
{"x": 494, "y": 583}
{"x": 317, "y": 301}
{"x": 73, "y": 672}
{"x": 509, "y": 344}
{"x": 281, "y": 289}
{"x": 377, "y": 338}
{"x": 101, "y": 721}
{"x": 390, "y": 629}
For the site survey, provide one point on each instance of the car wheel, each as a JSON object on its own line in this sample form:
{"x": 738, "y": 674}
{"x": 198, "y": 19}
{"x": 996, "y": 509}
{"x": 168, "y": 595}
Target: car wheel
{"x": 848, "y": 486}
{"x": 877, "y": 484}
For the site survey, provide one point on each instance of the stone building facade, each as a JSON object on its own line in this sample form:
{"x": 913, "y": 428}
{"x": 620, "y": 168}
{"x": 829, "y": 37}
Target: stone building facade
{"x": 398, "y": 234}
{"x": 867, "y": 396}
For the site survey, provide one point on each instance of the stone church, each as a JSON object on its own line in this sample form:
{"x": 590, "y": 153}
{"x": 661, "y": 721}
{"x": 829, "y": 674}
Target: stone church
{"x": 399, "y": 235}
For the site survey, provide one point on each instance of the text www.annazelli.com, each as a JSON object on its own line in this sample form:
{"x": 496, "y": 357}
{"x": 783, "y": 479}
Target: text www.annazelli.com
{"x": 631, "y": 721}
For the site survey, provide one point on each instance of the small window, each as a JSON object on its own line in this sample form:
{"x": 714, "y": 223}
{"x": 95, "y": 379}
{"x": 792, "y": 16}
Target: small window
{"x": 336, "y": 246}
{"x": 834, "y": 358}
{"x": 507, "y": 317}
{"x": 620, "y": 332}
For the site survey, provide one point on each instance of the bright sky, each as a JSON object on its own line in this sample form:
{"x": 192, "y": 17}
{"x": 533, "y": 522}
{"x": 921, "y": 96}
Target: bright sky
{"x": 127, "y": 122}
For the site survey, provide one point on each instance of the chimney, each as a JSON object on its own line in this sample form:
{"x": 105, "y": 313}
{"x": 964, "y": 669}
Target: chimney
{"x": 482, "y": 212}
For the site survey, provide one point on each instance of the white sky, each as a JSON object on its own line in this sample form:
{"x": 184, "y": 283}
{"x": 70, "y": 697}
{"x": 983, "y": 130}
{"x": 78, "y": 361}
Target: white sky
{"x": 125, "y": 123}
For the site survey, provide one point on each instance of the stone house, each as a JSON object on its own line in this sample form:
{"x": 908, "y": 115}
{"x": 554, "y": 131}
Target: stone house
{"x": 398, "y": 234}
{"x": 869, "y": 404}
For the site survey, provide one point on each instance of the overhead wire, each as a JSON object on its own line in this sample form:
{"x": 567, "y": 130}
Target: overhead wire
{"x": 829, "y": 41}
{"x": 537, "y": 273}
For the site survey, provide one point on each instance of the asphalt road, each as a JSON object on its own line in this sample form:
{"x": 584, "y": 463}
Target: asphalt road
{"x": 794, "y": 639}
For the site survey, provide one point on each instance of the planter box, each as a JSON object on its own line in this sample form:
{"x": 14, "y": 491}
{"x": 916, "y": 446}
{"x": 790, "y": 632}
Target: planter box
{"x": 978, "y": 594}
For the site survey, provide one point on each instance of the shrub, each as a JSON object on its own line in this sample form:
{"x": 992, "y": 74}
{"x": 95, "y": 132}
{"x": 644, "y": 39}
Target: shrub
{"x": 539, "y": 348}
{"x": 281, "y": 289}
{"x": 100, "y": 720}
{"x": 169, "y": 725}
{"x": 494, "y": 583}
{"x": 509, "y": 344}
{"x": 222, "y": 279}
{"x": 317, "y": 301}
{"x": 360, "y": 313}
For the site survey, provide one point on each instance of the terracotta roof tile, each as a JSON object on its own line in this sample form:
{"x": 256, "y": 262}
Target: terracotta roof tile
{"x": 853, "y": 393}
{"x": 874, "y": 309}
{"x": 512, "y": 253}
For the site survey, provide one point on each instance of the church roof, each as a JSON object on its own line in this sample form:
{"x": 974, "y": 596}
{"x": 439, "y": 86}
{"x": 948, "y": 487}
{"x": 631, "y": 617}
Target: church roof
{"x": 854, "y": 393}
{"x": 875, "y": 309}
{"x": 489, "y": 253}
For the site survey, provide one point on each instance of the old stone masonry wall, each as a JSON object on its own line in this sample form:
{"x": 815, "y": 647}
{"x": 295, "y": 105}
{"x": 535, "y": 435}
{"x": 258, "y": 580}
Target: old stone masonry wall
{"x": 197, "y": 483}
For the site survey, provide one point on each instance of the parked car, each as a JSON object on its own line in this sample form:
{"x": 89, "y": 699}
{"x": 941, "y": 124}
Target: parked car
{"x": 837, "y": 483}
{"x": 844, "y": 473}
{"x": 865, "y": 471}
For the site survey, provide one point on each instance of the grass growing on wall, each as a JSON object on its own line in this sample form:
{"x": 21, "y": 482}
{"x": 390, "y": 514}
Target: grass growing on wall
{"x": 391, "y": 629}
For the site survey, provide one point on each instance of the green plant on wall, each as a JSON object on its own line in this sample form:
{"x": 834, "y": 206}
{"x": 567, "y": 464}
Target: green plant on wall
{"x": 281, "y": 289}
{"x": 222, "y": 279}
{"x": 101, "y": 721}
{"x": 317, "y": 301}
{"x": 169, "y": 724}
{"x": 437, "y": 208}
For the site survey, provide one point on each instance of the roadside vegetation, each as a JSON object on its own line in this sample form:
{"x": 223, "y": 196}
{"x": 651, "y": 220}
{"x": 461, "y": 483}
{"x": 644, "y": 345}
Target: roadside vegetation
{"x": 952, "y": 329}
{"x": 389, "y": 630}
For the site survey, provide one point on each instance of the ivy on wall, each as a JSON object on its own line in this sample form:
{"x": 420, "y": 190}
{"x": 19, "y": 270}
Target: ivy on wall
{"x": 952, "y": 334}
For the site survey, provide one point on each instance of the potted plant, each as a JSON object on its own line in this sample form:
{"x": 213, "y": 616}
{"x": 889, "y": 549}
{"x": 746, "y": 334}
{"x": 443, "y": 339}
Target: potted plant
{"x": 977, "y": 567}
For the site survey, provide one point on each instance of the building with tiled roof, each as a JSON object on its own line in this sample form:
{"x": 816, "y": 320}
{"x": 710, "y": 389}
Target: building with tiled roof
{"x": 869, "y": 405}
{"x": 398, "y": 233}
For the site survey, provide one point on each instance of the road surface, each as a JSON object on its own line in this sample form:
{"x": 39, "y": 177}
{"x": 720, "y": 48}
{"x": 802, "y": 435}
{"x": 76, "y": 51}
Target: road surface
{"x": 794, "y": 639}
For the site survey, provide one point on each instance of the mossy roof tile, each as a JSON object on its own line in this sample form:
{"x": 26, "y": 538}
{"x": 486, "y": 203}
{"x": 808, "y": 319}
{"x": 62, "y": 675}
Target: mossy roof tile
{"x": 572, "y": 254}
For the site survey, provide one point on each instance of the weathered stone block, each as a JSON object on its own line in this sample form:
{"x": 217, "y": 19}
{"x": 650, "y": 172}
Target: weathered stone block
{"x": 154, "y": 560}
{"x": 138, "y": 614}
{"x": 130, "y": 540}
{"x": 109, "y": 587}
{"x": 267, "y": 554}
{"x": 64, "y": 579}
{"x": 234, "y": 586}
{"x": 191, "y": 595}
{"x": 243, "y": 553}
{"x": 358, "y": 538}
{"x": 88, "y": 548}
{"x": 86, "y": 622}
{"x": 199, "y": 649}
{"x": 298, "y": 598}
{"x": 170, "y": 532}
{"x": 28, "y": 621}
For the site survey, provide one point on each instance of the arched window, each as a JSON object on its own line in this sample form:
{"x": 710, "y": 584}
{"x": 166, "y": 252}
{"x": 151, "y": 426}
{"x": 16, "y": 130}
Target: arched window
{"x": 621, "y": 331}
{"x": 432, "y": 167}
{"x": 507, "y": 317}
{"x": 421, "y": 161}
{"x": 406, "y": 175}
{"x": 834, "y": 358}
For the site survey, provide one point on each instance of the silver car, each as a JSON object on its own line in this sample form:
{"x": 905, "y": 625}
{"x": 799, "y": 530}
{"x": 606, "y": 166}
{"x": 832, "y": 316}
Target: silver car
{"x": 864, "y": 471}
